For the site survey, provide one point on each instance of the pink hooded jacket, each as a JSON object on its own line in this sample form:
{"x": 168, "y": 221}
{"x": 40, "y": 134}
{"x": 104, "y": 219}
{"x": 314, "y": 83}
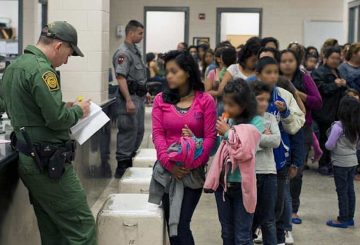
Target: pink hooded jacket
{"x": 240, "y": 150}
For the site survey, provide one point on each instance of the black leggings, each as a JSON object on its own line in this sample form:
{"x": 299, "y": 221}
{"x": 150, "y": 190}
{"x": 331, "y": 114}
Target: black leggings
{"x": 325, "y": 160}
{"x": 190, "y": 200}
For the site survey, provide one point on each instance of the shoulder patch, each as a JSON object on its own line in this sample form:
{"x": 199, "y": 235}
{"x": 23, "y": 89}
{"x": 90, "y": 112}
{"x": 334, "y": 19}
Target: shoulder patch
{"x": 121, "y": 59}
{"x": 51, "y": 81}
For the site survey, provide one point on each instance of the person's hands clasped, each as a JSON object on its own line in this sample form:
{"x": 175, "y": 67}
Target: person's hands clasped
{"x": 179, "y": 172}
{"x": 338, "y": 82}
{"x": 186, "y": 131}
{"x": 343, "y": 82}
{"x": 85, "y": 107}
{"x": 221, "y": 126}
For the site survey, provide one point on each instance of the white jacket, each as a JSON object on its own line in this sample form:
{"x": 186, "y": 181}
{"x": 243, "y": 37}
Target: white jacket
{"x": 295, "y": 121}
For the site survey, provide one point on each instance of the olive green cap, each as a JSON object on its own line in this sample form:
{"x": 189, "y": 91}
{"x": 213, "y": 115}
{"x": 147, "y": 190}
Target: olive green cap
{"x": 65, "y": 32}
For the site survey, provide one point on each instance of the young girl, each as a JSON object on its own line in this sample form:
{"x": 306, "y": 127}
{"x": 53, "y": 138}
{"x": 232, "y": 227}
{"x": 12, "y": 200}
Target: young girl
{"x": 212, "y": 80}
{"x": 246, "y": 65}
{"x": 183, "y": 106}
{"x": 266, "y": 167}
{"x": 310, "y": 63}
{"x": 228, "y": 57}
{"x": 342, "y": 143}
{"x": 355, "y": 94}
{"x": 208, "y": 63}
{"x": 232, "y": 173}
{"x": 308, "y": 92}
{"x": 332, "y": 88}
{"x": 151, "y": 65}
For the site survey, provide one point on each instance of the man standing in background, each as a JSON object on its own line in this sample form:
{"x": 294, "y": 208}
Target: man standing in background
{"x": 131, "y": 75}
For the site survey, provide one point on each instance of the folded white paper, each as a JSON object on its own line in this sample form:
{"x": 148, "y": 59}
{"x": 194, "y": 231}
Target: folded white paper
{"x": 87, "y": 127}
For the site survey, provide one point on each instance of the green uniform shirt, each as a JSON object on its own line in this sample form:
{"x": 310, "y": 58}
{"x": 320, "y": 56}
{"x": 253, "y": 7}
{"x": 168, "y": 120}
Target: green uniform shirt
{"x": 258, "y": 122}
{"x": 33, "y": 99}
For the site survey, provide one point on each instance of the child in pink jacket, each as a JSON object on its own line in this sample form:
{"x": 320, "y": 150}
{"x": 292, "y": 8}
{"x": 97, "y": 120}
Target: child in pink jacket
{"x": 232, "y": 173}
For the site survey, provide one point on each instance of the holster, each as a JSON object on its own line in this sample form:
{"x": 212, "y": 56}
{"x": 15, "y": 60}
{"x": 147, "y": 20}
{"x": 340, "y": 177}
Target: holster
{"x": 136, "y": 88}
{"x": 56, "y": 163}
{"x": 53, "y": 158}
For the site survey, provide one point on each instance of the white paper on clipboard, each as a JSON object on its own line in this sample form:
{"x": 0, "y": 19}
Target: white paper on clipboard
{"x": 87, "y": 127}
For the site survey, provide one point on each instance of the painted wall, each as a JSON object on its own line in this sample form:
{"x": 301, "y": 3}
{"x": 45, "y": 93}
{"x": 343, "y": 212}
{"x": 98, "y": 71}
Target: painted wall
{"x": 283, "y": 19}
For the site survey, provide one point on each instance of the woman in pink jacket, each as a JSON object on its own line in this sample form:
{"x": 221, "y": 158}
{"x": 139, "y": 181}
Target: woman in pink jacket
{"x": 181, "y": 109}
{"x": 232, "y": 173}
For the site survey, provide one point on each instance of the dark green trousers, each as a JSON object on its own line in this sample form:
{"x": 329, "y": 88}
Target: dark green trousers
{"x": 63, "y": 215}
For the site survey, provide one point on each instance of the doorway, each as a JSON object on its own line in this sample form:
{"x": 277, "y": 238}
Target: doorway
{"x": 237, "y": 25}
{"x": 160, "y": 21}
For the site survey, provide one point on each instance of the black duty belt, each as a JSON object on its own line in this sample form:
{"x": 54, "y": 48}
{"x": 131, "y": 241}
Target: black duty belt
{"x": 136, "y": 88}
{"x": 46, "y": 151}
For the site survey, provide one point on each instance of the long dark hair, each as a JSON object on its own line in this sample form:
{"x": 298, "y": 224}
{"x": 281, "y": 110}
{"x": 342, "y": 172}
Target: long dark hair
{"x": 267, "y": 40}
{"x": 251, "y": 47}
{"x": 203, "y": 62}
{"x": 187, "y": 63}
{"x": 298, "y": 77}
{"x": 307, "y": 51}
{"x": 349, "y": 116}
{"x": 240, "y": 92}
{"x": 228, "y": 56}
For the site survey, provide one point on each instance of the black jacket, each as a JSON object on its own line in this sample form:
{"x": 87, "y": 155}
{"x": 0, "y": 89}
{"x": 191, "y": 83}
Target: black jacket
{"x": 331, "y": 94}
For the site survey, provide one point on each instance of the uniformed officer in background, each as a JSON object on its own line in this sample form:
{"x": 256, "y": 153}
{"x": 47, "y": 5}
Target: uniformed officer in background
{"x": 41, "y": 121}
{"x": 130, "y": 73}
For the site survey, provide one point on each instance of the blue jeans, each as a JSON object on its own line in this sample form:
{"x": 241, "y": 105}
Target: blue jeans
{"x": 190, "y": 200}
{"x": 282, "y": 178}
{"x": 236, "y": 222}
{"x": 265, "y": 209}
{"x": 288, "y": 211}
{"x": 344, "y": 182}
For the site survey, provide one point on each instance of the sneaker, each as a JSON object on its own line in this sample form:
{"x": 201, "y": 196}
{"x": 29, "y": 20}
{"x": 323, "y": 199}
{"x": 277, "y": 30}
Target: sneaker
{"x": 337, "y": 224}
{"x": 121, "y": 168}
{"x": 351, "y": 222}
{"x": 289, "y": 239}
{"x": 258, "y": 239}
{"x": 296, "y": 220}
{"x": 119, "y": 173}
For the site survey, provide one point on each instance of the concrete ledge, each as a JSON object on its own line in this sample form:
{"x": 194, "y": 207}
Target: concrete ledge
{"x": 130, "y": 219}
{"x": 145, "y": 158}
{"x": 136, "y": 180}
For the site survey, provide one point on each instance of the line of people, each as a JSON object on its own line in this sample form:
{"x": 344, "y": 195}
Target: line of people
{"x": 258, "y": 111}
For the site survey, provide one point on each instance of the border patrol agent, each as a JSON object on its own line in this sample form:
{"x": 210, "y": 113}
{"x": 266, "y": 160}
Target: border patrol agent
{"x": 130, "y": 73}
{"x": 41, "y": 122}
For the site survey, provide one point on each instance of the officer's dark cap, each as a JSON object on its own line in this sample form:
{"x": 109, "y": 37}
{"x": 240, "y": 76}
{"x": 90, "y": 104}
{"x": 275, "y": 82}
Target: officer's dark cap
{"x": 65, "y": 32}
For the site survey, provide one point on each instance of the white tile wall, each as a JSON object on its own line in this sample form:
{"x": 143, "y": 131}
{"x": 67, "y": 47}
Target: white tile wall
{"x": 86, "y": 76}
{"x": 31, "y": 25}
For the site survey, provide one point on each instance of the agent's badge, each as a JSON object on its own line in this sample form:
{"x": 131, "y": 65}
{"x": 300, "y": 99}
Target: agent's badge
{"x": 51, "y": 81}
